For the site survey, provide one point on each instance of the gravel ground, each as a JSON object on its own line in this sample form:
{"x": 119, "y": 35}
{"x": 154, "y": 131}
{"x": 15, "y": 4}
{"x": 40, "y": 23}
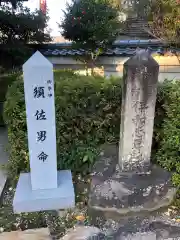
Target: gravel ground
{"x": 58, "y": 223}
{"x": 12, "y": 222}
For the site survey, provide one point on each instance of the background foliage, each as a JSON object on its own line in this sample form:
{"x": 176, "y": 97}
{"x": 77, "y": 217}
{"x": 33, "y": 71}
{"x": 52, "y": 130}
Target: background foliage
{"x": 19, "y": 27}
{"x": 88, "y": 113}
{"x": 13, "y": 2}
{"x": 164, "y": 20}
{"x": 168, "y": 154}
{"x": 91, "y": 25}
{"x": 6, "y": 79}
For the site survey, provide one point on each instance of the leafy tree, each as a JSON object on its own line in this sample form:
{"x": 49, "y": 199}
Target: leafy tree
{"x": 116, "y": 3}
{"x": 22, "y": 26}
{"x": 164, "y": 19}
{"x": 19, "y": 27}
{"x": 13, "y": 2}
{"x": 137, "y": 8}
{"x": 92, "y": 25}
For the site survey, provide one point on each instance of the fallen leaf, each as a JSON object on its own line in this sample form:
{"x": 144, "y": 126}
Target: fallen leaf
{"x": 80, "y": 218}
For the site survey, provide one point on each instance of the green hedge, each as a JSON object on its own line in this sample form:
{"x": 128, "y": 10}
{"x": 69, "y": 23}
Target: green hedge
{"x": 168, "y": 152}
{"x": 87, "y": 115}
{"x": 5, "y": 81}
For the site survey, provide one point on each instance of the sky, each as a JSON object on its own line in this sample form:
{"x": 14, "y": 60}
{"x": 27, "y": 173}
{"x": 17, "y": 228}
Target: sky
{"x": 55, "y": 8}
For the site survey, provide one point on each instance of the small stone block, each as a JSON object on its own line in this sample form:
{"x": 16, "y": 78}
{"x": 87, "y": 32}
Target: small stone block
{"x": 3, "y": 179}
{"x": 140, "y": 236}
{"x": 28, "y": 200}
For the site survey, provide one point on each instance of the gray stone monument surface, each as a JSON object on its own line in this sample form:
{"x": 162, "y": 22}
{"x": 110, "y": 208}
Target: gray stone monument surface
{"x": 124, "y": 183}
{"x": 138, "y": 107}
{"x": 127, "y": 192}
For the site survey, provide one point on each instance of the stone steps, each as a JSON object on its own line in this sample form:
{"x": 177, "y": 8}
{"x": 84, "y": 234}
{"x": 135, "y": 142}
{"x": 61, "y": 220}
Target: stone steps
{"x": 135, "y": 27}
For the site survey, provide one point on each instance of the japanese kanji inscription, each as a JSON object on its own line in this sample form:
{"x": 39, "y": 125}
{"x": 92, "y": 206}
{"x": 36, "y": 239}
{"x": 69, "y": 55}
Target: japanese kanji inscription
{"x": 40, "y": 109}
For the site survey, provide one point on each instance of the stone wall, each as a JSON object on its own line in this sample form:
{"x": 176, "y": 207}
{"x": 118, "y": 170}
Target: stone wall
{"x": 107, "y": 66}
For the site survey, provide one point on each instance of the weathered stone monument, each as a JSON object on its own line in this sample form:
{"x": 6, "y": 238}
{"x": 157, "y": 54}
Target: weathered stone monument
{"x": 124, "y": 181}
{"x": 138, "y": 108}
{"x": 44, "y": 188}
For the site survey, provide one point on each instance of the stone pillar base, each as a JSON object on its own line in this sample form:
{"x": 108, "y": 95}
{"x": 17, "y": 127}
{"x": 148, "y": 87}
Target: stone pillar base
{"x": 27, "y": 200}
{"x": 129, "y": 205}
{"x": 128, "y": 193}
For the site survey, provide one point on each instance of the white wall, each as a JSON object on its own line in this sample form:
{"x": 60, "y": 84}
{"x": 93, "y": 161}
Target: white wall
{"x": 169, "y": 65}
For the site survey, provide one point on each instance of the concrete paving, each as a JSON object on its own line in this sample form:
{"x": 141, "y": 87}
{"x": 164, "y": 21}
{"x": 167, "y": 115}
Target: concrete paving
{"x": 34, "y": 234}
{"x": 3, "y": 157}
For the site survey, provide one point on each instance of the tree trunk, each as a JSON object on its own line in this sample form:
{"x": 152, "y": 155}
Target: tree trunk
{"x": 92, "y": 64}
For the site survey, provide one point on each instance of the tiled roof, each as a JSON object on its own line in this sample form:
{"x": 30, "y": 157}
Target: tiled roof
{"x": 118, "y": 43}
{"x": 138, "y": 42}
{"x": 119, "y": 48}
{"x": 109, "y": 52}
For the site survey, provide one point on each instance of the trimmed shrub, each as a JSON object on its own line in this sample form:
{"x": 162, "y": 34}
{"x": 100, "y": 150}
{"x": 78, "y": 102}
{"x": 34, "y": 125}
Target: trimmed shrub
{"x": 5, "y": 81}
{"x": 160, "y": 114}
{"x": 168, "y": 152}
{"x": 87, "y": 115}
